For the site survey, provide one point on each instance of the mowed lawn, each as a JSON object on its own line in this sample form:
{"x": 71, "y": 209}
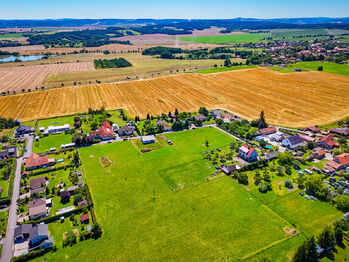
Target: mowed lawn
{"x": 309, "y": 216}
{"x": 224, "y": 69}
{"x": 224, "y": 39}
{"x": 47, "y": 142}
{"x": 145, "y": 220}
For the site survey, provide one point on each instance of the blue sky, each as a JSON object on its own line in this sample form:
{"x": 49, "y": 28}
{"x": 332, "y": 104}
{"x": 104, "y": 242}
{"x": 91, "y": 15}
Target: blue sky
{"x": 40, "y": 9}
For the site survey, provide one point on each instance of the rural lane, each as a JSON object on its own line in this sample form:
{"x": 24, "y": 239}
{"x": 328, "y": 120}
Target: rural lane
{"x": 8, "y": 243}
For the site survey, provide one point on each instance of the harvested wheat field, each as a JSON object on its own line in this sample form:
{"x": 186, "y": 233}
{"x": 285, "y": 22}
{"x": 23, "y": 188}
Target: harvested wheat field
{"x": 30, "y": 77}
{"x": 295, "y": 99}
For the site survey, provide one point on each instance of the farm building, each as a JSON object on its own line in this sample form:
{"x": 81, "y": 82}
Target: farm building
{"x": 312, "y": 129}
{"x": 327, "y": 142}
{"x": 247, "y": 153}
{"x": 293, "y": 141}
{"x": 148, "y": 139}
{"x": 58, "y": 129}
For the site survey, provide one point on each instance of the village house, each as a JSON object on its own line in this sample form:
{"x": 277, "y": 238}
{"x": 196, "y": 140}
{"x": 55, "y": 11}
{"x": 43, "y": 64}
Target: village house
{"x": 39, "y": 237}
{"x": 126, "y": 131}
{"x": 216, "y": 114}
{"x": 37, "y": 208}
{"x": 104, "y": 132}
{"x": 36, "y": 161}
{"x": 340, "y": 131}
{"x": 200, "y": 118}
{"x": 37, "y": 185}
{"x": 312, "y": 129}
{"x": 307, "y": 139}
{"x": 293, "y": 142}
{"x": 9, "y": 152}
{"x": 339, "y": 162}
{"x": 247, "y": 153}
{"x": 319, "y": 154}
{"x": 327, "y": 142}
{"x": 148, "y": 139}
{"x": 22, "y": 232}
{"x": 23, "y": 130}
{"x": 164, "y": 125}
{"x": 267, "y": 131}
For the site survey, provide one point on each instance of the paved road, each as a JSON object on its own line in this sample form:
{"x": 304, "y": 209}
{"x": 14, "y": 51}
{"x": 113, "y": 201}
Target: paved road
{"x": 8, "y": 244}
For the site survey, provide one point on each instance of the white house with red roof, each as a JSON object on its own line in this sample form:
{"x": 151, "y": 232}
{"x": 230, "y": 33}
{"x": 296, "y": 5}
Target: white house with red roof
{"x": 105, "y": 132}
{"x": 248, "y": 153}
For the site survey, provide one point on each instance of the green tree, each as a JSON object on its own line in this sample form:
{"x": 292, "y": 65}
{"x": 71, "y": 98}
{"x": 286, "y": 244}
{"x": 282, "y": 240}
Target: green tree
{"x": 326, "y": 238}
{"x": 94, "y": 125}
{"x": 96, "y": 230}
{"x": 227, "y": 62}
{"x": 342, "y": 202}
{"x": 315, "y": 185}
{"x": 262, "y": 123}
{"x": 70, "y": 239}
{"x": 78, "y": 198}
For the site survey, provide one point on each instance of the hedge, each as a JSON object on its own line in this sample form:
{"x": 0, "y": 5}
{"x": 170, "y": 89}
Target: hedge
{"x": 56, "y": 217}
{"x": 31, "y": 255}
{"x": 49, "y": 170}
{"x": 255, "y": 165}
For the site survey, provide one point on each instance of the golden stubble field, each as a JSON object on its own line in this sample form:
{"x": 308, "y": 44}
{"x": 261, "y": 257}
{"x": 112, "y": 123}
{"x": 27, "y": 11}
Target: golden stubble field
{"x": 32, "y": 76}
{"x": 295, "y": 99}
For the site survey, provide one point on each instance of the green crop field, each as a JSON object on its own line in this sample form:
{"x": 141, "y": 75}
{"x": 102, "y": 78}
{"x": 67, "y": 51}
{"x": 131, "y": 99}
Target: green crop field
{"x": 223, "y": 69}
{"x": 297, "y": 34}
{"x": 227, "y": 39}
{"x": 10, "y": 36}
{"x": 143, "y": 218}
{"x": 308, "y": 215}
{"x": 340, "y": 69}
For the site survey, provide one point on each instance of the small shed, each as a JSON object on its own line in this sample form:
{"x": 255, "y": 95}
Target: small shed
{"x": 84, "y": 219}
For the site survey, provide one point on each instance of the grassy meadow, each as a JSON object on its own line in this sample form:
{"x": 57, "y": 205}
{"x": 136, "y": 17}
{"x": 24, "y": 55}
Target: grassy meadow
{"x": 143, "y": 218}
{"x": 227, "y": 39}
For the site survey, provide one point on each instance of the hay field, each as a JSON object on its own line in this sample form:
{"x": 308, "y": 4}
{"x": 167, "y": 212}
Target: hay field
{"x": 30, "y": 77}
{"x": 294, "y": 100}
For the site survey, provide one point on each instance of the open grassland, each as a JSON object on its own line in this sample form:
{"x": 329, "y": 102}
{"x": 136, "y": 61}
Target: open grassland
{"x": 340, "y": 69}
{"x": 145, "y": 220}
{"x": 31, "y": 77}
{"x": 297, "y": 34}
{"x": 296, "y": 100}
{"x": 309, "y": 216}
{"x": 11, "y": 36}
{"x": 223, "y": 69}
{"x": 227, "y": 39}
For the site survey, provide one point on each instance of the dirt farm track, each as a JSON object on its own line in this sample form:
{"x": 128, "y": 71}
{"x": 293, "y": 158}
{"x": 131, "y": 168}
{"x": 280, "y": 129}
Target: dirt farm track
{"x": 293, "y": 99}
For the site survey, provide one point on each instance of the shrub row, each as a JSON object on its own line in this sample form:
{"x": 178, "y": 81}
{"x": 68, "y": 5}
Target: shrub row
{"x": 49, "y": 170}
{"x": 56, "y": 217}
{"x": 31, "y": 255}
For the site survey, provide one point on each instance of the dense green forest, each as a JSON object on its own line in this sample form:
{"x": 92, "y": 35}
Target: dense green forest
{"x": 113, "y": 63}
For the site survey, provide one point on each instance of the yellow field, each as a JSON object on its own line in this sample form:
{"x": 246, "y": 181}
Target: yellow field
{"x": 295, "y": 99}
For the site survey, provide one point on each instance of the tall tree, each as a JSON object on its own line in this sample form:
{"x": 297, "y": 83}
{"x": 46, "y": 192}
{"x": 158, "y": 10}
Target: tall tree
{"x": 262, "y": 123}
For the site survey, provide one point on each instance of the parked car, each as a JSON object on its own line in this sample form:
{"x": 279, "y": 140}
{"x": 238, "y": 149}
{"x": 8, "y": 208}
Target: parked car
{"x": 301, "y": 193}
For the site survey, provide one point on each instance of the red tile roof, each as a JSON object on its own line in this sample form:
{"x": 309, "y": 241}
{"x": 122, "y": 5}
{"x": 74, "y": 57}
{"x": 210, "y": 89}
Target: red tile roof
{"x": 267, "y": 130}
{"x": 343, "y": 159}
{"x": 329, "y": 140}
{"x": 35, "y": 160}
{"x": 84, "y": 217}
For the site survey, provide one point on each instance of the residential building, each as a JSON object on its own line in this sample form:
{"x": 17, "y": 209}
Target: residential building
{"x": 343, "y": 160}
{"x": 319, "y": 154}
{"x": 148, "y": 139}
{"x": 248, "y": 153}
{"x": 23, "y": 130}
{"x": 37, "y": 208}
{"x": 164, "y": 125}
{"x": 293, "y": 142}
{"x": 313, "y": 129}
{"x": 327, "y": 142}
{"x": 307, "y": 139}
{"x": 22, "y": 232}
{"x": 38, "y": 235}
{"x": 38, "y": 182}
{"x": 267, "y": 131}
{"x": 104, "y": 132}
{"x": 9, "y": 152}
{"x": 126, "y": 131}
{"x": 200, "y": 118}
{"x": 216, "y": 114}
{"x": 271, "y": 155}
{"x": 36, "y": 161}
{"x": 340, "y": 131}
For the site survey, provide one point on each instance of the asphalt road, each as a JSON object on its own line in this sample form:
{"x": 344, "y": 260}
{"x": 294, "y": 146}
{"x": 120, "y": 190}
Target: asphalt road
{"x": 8, "y": 243}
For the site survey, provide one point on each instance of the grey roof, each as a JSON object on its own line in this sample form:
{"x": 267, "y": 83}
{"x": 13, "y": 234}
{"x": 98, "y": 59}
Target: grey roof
{"x": 295, "y": 140}
{"x": 39, "y": 230}
{"x": 272, "y": 155}
{"x": 23, "y": 229}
